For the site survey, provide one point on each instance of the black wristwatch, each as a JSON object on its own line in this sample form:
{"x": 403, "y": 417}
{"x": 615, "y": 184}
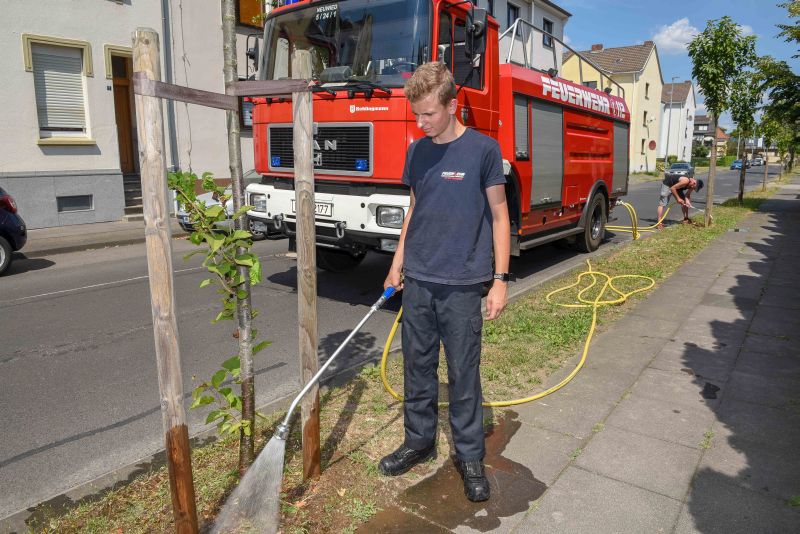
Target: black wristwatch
{"x": 503, "y": 277}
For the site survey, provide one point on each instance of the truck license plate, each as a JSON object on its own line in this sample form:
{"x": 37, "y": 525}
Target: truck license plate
{"x": 320, "y": 208}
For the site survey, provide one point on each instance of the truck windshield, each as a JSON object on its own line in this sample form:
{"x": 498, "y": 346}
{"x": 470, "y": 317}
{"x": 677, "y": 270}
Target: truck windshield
{"x": 380, "y": 41}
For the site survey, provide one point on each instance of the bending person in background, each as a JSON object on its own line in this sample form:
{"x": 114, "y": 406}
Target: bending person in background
{"x": 681, "y": 188}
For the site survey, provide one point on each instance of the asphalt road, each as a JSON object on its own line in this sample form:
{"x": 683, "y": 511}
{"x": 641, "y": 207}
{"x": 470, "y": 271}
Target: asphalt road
{"x": 80, "y": 390}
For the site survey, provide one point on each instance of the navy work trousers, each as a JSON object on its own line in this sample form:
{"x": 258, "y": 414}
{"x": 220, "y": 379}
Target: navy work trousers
{"x": 450, "y": 314}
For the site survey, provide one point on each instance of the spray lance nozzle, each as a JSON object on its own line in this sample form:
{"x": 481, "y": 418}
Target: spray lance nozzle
{"x": 387, "y": 294}
{"x": 282, "y": 431}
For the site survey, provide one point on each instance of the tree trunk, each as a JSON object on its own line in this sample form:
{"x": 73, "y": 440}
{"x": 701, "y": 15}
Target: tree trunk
{"x": 742, "y": 175}
{"x": 766, "y": 169}
{"x": 243, "y": 307}
{"x": 712, "y": 173}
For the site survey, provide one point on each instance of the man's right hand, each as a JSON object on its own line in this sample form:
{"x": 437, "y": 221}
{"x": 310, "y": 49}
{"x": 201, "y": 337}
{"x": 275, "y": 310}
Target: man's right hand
{"x": 394, "y": 278}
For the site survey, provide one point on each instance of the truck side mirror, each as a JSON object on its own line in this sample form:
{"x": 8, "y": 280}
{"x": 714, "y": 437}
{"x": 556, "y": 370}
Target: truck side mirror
{"x": 251, "y": 53}
{"x": 476, "y": 33}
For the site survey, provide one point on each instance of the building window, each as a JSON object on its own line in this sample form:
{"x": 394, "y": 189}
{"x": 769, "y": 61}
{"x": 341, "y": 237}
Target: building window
{"x": 75, "y": 203}
{"x": 547, "y": 26}
{"x": 644, "y": 120}
{"x": 642, "y": 149}
{"x": 513, "y": 14}
{"x": 490, "y": 7}
{"x": 591, "y": 84}
{"x": 647, "y": 90}
{"x": 60, "y": 93}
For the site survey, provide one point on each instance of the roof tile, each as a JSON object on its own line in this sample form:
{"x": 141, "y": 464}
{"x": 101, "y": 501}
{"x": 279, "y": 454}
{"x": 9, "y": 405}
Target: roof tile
{"x": 620, "y": 59}
{"x": 679, "y": 93}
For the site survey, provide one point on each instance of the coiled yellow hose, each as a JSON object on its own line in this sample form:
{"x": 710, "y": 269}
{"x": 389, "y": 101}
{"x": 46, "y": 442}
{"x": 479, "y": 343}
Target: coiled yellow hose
{"x": 634, "y": 227}
{"x": 621, "y": 296}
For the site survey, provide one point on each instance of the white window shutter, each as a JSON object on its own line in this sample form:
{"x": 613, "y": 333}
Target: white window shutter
{"x": 58, "y": 80}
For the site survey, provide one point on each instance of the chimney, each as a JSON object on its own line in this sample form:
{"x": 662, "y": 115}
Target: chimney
{"x": 648, "y": 43}
{"x": 597, "y": 47}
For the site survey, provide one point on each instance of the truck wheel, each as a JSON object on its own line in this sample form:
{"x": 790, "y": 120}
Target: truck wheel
{"x": 5, "y": 254}
{"x": 337, "y": 261}
{"x": 257, "y": 236}
{"x": 595, "y": 229}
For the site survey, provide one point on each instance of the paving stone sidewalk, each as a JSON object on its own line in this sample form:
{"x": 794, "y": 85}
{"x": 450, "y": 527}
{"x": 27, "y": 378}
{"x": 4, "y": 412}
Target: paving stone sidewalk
{"x": 46, "y": 241}
{"x": 686, "y": 417}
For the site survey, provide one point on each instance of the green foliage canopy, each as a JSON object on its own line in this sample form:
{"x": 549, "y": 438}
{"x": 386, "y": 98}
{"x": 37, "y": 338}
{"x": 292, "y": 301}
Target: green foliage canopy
{"x": 718, "y": 54}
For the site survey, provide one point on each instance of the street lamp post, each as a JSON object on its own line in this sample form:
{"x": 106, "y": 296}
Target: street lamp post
{"x": 669, "y": 119}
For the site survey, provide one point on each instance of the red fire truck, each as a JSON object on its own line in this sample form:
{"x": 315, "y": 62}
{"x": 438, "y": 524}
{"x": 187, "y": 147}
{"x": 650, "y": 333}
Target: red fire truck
{"x": 564, "y": 143}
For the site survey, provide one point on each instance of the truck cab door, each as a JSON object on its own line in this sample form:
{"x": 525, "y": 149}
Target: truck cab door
{"x": 469, "y": 73}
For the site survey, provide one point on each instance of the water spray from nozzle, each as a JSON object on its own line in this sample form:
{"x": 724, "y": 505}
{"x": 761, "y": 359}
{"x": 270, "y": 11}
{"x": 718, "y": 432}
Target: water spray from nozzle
{"x": 282, "y": 431}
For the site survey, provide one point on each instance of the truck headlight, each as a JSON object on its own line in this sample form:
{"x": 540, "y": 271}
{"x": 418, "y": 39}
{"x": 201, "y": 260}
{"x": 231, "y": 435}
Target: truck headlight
{"x": 258, "y": 201}
{"x": 390, "y": 216}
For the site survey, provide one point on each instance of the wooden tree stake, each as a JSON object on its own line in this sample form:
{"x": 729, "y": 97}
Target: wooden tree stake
{"x": 162, "y": 292}
{"x": 303, "y": 112}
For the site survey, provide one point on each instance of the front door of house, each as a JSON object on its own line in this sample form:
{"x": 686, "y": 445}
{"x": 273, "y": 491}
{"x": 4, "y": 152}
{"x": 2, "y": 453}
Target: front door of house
{"x": 121, "y": 68}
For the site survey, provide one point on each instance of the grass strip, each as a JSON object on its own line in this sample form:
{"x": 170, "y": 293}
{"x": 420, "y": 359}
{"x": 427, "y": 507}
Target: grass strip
{"x": 360, "y": 422}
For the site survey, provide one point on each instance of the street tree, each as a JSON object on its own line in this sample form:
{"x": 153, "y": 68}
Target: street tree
{"x": 770, "y": 130}
{"x": 746, "y": 95}
{"x": 791, "y": 32}
{"x": 718, "y": 54}
{"x": 782, "y": 88}
{"x": 244, "y": 315}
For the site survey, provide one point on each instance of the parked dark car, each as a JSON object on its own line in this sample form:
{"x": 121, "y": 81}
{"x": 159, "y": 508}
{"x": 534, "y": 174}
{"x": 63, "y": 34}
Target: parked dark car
{"x": 680, "y": 169}
{"x": 13, "y": 233}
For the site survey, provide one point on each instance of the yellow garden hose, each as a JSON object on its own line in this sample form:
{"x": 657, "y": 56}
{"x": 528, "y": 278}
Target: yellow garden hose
{"x": 634, "y": 228}
{"x": 582, "y": 303}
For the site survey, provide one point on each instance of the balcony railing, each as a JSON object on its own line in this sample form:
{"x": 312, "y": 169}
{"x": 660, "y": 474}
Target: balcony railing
{"x": 528, "y": 46}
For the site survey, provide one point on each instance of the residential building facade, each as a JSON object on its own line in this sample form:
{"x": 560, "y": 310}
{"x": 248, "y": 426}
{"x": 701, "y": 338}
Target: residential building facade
{"x": 637, "y": 70}
{"x": 70, "y": 152}
{"x": 678, "y": 105}
{"x": 543, "y": 51}
{"x": 702, "y": 134}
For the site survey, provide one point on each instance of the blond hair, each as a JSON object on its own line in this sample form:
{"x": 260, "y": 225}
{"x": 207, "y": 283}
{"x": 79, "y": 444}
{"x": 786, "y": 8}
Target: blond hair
{"x": 431, "y": 78}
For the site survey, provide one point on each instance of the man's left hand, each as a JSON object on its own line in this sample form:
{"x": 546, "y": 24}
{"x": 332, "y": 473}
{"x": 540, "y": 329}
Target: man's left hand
{"x": 496, "y": 300}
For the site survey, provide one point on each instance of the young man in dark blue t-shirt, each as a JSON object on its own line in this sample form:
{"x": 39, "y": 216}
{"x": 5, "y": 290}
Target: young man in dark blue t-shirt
{"x": 457, "y": 220}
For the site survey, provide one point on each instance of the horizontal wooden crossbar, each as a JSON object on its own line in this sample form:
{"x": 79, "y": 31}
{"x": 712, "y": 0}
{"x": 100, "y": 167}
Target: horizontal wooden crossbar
{"x": 267, "y": 87}
{"x": 230, "y": 101}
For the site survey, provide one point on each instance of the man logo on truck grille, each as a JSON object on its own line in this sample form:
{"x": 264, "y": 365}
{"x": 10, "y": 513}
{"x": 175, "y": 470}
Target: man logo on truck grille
{"x": 330, "y": 144}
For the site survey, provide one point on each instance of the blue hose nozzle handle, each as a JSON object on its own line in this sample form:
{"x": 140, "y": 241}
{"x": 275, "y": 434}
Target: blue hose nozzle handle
{"x": 387, "y": 293}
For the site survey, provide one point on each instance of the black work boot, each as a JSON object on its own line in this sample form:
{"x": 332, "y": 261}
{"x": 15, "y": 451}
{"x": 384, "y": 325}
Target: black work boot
{"x": 476, "y": 485}
{"x": 404, "y": 459}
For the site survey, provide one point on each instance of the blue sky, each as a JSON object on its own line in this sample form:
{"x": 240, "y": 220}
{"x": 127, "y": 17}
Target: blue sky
{"x": 671, "y": 25}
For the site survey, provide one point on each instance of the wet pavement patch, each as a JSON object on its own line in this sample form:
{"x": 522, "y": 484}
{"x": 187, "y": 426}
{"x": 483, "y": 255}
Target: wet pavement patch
{"x": 440, "y": 497}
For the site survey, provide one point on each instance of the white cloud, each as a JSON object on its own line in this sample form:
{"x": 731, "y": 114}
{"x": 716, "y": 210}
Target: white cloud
{"x": 673, "y": 39}
{"x": 567, "y": 40}
{"x": 747, "y": 30}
